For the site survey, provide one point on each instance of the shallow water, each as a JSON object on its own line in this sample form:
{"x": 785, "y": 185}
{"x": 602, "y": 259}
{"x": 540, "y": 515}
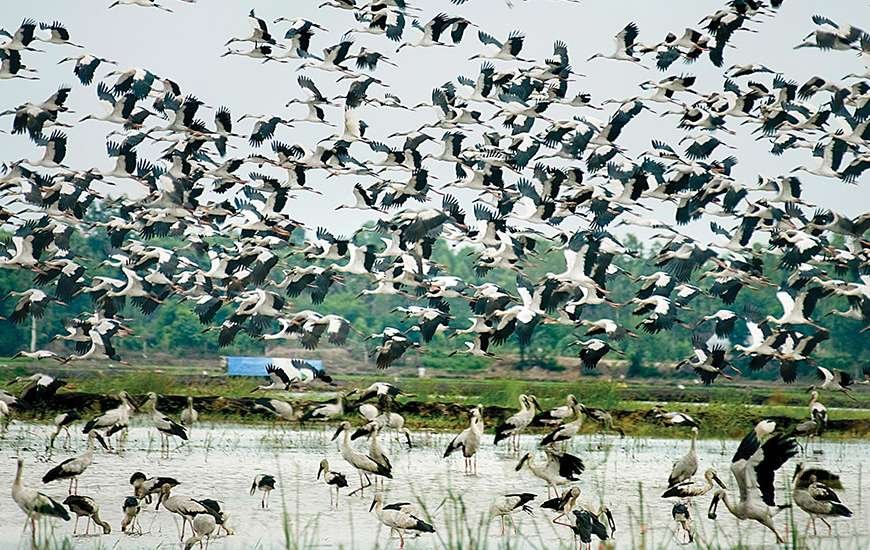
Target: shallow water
{"x": 220, "y": 462}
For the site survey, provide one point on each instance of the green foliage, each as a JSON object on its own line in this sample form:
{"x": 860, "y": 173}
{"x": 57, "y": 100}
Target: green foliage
{"x": 174, "y": 328}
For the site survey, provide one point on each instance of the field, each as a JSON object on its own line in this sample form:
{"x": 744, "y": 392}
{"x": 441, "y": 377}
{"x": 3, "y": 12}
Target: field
{"x": 438, "y": 402}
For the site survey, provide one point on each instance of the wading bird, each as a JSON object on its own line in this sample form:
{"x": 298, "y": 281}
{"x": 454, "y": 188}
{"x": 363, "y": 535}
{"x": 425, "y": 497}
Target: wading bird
{"x": 760, "y": 454}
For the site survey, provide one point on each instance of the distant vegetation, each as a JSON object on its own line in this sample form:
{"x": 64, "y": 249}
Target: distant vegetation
{"x": 174, "y": 329}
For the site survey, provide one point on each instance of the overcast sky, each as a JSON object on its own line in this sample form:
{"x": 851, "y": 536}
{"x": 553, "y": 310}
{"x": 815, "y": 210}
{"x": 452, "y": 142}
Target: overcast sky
{"x": 186, "y": 45}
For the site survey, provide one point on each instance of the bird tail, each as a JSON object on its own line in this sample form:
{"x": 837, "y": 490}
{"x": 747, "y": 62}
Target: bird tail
{"x": 840, "y": 510}
{"x": 51, "y": 475}
{"x": 423, "y": 527}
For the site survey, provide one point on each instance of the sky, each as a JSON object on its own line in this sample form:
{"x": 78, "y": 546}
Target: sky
{"x": 186, "y": 46}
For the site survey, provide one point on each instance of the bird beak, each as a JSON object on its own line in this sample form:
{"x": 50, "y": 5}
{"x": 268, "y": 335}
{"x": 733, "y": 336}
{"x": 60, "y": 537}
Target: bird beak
{"x": 253, "y": 488}
{"x": 101, "y": 441}
{"x": 719, "y": 481}
{"x": 320, "y": 470}
{"x": 372, "y": 507}
{"x": 338, "y": 431}
{"x": 159, "y": 500}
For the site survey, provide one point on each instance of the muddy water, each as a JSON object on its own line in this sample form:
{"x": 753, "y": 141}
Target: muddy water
{"x": 220, "y": 462}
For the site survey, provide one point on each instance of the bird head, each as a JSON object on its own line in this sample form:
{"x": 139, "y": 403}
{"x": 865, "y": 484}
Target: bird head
{"x": 523, "y": 461}
{"x": 341, "y": 427}
{"x": 375, "y": 501}
{"x": 323, "y": 469}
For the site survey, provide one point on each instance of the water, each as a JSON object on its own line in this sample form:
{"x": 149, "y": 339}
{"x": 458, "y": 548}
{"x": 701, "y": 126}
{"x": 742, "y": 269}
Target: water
{"x": 221, "y": 460}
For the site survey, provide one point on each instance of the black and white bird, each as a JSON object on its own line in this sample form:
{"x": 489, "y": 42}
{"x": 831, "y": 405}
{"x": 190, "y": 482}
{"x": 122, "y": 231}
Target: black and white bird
{"x": 813, "y": 492}
{"x": 558, "y": 415}
{"x": 281, "y": 409}
{"x": 469, "y": 441}
{"x": 62, "y": 423}
{"x": 265, "y": 484}
{"x": 83, "y": 506}
{"x": 559, "y": 469}
{"x": 503, "y": 507}
{"x": 674, "y": 418}
{"x": 144, "y": 486}
{"x": 130, "y": 522}
{"x": 335, "y": 480}
{"x": 363, "y": 463}
{"x": 72, "y": 468}
{"x": 34, "y": 504}
{"x": 165, "y": 425}
{"x": 689, "y": 488}
{"x": 398, "y": 520}
{"x": 760, "y": 454}
{"x": 40, "y": 388}
{"x": 515, "y": 424}
{"x": 686, "y": 467}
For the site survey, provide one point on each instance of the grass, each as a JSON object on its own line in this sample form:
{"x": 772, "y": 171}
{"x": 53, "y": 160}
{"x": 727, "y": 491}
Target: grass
{"x": 437, "y": 402}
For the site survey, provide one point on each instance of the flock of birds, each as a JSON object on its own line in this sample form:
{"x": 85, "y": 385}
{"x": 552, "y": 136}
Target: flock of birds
{"x": 549, "y": 176}
{"x": 546, "y": 175}
{"x": 759, "y": 456}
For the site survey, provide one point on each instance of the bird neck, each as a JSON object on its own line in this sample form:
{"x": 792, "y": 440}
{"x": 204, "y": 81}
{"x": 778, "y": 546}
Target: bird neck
{"x": 18, "y": 472}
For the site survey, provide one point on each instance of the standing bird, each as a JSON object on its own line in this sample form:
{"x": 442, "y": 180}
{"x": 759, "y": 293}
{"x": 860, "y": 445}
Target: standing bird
{"x": 131, "y": 509}
{"x": 266, "y": 484}
{"x": 363, "y": 463}
{"x": 203, "y": 526}
{"x": 87, "y": 507}
{"x": 818, "y": 412}
{"x": 114, "y": 420}
{"x": 680, "y": 513}
{"x": 560, "y": 468}
{"x": 332, "y": 479}
{"x": 144, "y": 487}
{"x": 185, "y": 507}
{"x": 515, "y": 424}
{"x": 760, "y": 454}
{"x": 469, "y": 441}
{"x": 557, "y": 415}
{"x": 62, "y": 422}
{"x": 189, "y": 416}
{"x": 813, "y": 492}
{"x": 684, "y": 468}
{"x": 165, "y": 425}
{"x": 34, "y": 504}
{"x": 585, "y": 525}
{"x": 72, "y": 468}
{"x": 398, "y": 520}
{"x": 566, "y": 430}
{"x": 503, "y": 507}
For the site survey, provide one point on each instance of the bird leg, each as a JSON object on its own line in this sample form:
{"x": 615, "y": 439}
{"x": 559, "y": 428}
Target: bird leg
{"x": 76, "y": 525}
{"x": 362, "y": 485}
{"x": 88, "y": 526}
{"x": 401, "y": 540}
{"x": 823, "y": 520}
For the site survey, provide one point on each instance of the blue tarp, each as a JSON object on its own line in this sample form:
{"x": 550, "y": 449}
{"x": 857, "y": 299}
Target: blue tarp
{"x": 256, "y": 366}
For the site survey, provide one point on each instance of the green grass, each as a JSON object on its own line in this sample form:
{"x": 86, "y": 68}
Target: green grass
{"x": 437, "y": 402}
